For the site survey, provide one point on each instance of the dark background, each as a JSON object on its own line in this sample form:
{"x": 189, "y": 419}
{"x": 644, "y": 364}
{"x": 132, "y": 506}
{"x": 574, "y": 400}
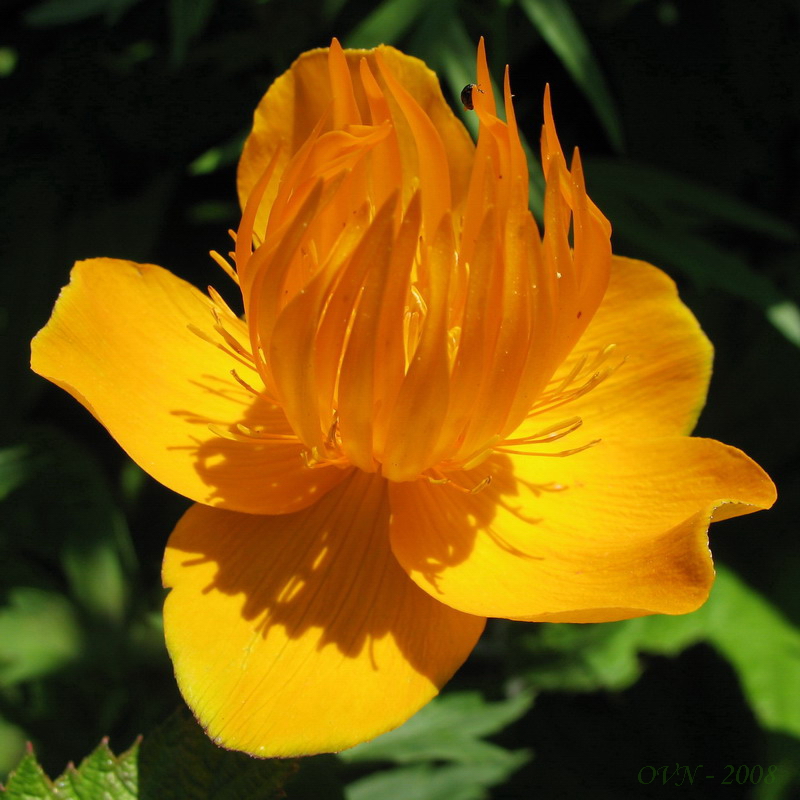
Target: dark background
{"x": 121, "y": 122}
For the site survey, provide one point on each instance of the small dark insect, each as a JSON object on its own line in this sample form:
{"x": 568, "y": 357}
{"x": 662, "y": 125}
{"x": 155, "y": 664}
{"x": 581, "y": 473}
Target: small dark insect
{"x": 466, "y": 95}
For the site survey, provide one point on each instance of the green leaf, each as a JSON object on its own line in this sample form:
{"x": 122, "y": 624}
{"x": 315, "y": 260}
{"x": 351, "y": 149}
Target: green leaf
{"x": 13, "y": 740}
{"x": 28, "y": 782}
{"x": 51, "y": 13}
{"x": 427, "y": 782}
{"x": 176, "y": 762}
{"x": 219, "y": 156}
{"x": 762, "y": 646}
{"x": 80, "y": 525}
{"x": 101, "y": 776}
{"x": 785, "y": 316}
{"x": 39, "y": 634}
{"x": 696, "y": 203}
{"x": 447, "y": 729}
{"x": 179, "y": 762}
{"x": 17, "y": 464}
{"x": 585, "y": 658}
{"x": 560, "y": 29}
{"x": 667, "y": 219}
{"x": 387, "y": 23}
{"x": 188, "y": 19}
{"x": 8, "y": 61}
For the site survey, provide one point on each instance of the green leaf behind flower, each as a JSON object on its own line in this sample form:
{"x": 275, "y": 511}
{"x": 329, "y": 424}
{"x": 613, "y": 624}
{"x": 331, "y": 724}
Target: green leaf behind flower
{"x": 51, "y": 13}
{"x": 387, "y": 23}
{"x": 667, "y": 219}
{"x": 442, "y": 751}
{"x": 427, "y": 782}
{"x": 762, "y": 646}
{"x": 559, "y": 27}
{"x": 450, "y": 728}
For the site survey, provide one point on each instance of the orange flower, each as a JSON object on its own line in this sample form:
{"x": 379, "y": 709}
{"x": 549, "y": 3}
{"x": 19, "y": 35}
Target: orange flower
{"x": 427, "y": 416}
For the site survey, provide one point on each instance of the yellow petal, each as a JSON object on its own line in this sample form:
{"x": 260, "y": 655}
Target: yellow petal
{"x": 300, "y": 634}
{"x": 120, "y": 342}
{"x": 303, "y": 95}
{"x": 616, "y": 531}
{"x": 662, "y": 358}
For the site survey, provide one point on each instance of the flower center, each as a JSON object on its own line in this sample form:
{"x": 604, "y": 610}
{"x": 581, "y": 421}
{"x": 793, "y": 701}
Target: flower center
{"x": 402, "y": 308}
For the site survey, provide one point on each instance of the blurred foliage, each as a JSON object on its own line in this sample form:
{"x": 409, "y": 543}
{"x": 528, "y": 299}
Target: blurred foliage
{"x": 121, "y": 122}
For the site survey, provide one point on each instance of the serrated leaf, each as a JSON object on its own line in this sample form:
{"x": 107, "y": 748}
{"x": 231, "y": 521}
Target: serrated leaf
{"x": 28, "y": 782}
{"x": 449, "y": 729}
{"x": 176, "y": 762}
{"x": 101, "y": 776}
{"x": 560, "y": 29}
{"x": 179, "y": 762}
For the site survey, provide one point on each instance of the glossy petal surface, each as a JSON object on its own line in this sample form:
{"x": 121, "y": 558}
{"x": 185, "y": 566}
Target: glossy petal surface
{"x": 300, "y": 633}
{"x": 120, "y": 341}
{"x": 661, "y": 362}
{"x": 303, "y": 95}
{"x": 616, "y": 531}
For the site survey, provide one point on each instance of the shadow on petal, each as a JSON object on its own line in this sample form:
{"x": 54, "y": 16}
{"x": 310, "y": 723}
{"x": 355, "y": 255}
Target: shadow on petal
{"x": 447, "y": 520}
{"x": 301, "y": 633}
{"x": 254, "y": 463}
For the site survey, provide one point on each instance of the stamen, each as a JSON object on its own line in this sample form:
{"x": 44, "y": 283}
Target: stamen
{"x": 517, "y": 511}
{"x": 574, "y": 372}
{"x": 540, "y": 488}
{"x": 206, "y": 338}
{"x": 260, "y": 433}
{"x": 551, "y": 434}
{"x": 443, "y": 480}
{"x": 478, "y": 458}
{"x": 226, "y": 267}
{"x": 481, "y": 486}
{"x": 221, "y": 304}
{"x": 554, "y": 398}
{"x": 245, "y": 385}
{"x": 231, "y": 341}
{"x": 224, "y": 433}
{"x": 559, "y": 454}
{"x": 313, "y": 460}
